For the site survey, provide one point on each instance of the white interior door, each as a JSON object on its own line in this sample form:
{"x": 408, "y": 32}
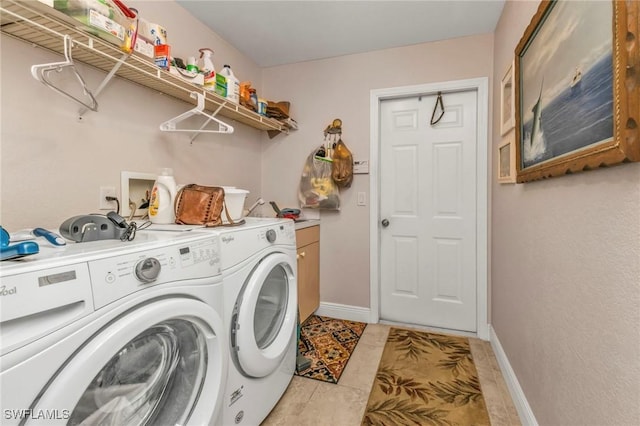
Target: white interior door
{"x": 428, "y": 211}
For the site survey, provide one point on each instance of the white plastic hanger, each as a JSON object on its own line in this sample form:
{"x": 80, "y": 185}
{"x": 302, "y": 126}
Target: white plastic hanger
{"x": 41, "y": 73}
{"x": 170, "y": 125}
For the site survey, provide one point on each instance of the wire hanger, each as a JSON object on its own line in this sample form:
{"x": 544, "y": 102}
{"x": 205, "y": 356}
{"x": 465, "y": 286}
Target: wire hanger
{"x": 170, "y": 125}
{"x": 435, "y": 108}
{"x": 41, "y": 73}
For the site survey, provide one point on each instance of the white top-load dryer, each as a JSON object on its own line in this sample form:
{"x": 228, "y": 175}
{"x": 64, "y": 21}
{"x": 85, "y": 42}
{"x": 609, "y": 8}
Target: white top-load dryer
{"x": 259, "y": 273}
{"x": 112, "y": 332}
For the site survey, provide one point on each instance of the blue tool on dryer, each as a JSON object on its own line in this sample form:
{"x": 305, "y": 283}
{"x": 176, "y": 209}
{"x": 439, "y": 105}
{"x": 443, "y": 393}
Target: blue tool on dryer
{"x": 16, "y": 250}
{"x": 31, "y": 234}
{"x": 52, "y": 237}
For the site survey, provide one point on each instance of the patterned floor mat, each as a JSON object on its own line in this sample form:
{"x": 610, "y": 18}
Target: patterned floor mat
{"x": 328, "y": 343}
{"x": 426, "y": 379}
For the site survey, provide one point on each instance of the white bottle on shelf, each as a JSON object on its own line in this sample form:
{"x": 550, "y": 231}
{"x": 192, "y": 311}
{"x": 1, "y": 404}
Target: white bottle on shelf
{"x": 233, "y": 84}
{"x": 163, "y": 196}
{"x": 207, "y": 68}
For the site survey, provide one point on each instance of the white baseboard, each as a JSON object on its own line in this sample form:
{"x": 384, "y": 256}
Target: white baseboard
{"x": 344, "y": 312}
{"x": 517, "y": 394}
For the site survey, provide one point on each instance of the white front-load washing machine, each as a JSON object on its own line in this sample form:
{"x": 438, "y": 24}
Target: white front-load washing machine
{"x": 259, "y": 273}
{"x": 111, "y": 332}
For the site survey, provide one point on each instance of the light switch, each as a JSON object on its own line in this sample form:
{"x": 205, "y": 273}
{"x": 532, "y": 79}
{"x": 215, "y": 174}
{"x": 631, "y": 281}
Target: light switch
{"x": 362, "y": 198}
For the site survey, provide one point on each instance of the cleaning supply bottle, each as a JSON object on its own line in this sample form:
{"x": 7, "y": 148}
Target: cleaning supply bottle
{"x": 207, "y": 68}
{"x": 253, "y": 99}
{"x": 163, "y": 196}
{"x": 191, "y": 64}
{"x": 233, "y": 84}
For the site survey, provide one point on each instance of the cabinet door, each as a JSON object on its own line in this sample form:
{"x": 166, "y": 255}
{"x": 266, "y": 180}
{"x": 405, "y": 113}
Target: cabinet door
{"x": 308, "y": 279}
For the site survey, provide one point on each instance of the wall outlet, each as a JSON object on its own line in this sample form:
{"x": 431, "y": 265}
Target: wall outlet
{"x": 107, "y": 191}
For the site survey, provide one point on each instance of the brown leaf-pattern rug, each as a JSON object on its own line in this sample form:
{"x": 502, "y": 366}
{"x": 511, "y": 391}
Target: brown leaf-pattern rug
{"x": 328, "y": 343}
{"x": 426, "y": 379}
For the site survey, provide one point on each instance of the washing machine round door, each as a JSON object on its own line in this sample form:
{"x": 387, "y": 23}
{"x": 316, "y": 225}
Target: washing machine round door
{"x": 266, "y": 316}
{"x": 162, "y": 363}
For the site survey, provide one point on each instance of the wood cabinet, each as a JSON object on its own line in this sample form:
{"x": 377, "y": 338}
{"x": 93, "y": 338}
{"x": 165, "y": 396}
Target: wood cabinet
{"x": 308, "y": 245}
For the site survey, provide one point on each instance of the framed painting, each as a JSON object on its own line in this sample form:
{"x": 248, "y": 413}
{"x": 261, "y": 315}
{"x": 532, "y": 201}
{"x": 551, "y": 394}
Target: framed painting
{"x": 507, "y": 160}
{"x": 577, "y": 88}
{"x": 507, "y": 109}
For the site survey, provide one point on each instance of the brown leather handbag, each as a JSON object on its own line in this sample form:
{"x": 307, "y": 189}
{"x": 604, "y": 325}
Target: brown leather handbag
{"x": 200, "y": 205}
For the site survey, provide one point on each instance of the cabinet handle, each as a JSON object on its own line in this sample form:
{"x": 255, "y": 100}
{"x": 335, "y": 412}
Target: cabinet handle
{"x": 300, "y": 255}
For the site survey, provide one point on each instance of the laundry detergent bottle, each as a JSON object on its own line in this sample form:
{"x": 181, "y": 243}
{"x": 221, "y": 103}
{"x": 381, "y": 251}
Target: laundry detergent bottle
{"x": 233, "y": 84}
{"x": 207, "y": 68}
{"x": 163, "y": 196}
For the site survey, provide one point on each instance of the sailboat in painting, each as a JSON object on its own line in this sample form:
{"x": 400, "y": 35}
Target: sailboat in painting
{"x": 577, "y": 78}
{"x": 536, "y": 147}
{"x": 536, "y": 130}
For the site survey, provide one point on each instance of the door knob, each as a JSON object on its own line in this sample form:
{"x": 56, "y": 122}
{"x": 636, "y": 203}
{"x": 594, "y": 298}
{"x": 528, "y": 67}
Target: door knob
{"x": 385, "y": 222}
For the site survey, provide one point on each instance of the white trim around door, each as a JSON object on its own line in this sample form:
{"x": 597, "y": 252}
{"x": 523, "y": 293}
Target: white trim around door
{"x": 378, "y": 95}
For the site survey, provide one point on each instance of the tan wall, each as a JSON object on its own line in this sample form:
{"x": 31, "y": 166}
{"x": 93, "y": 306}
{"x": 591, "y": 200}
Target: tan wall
{"x": 566, "y": 279}
{"x": 322, "y": 90}
{"x": 52, "y": 166}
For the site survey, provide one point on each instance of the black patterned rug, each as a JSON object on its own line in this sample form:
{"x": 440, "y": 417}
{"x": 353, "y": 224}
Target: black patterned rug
{"x": 328, "y": 343}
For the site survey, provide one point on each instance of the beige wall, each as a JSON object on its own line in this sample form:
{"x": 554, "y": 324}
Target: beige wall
{"x": 52, "y": 166}
{"x": 322, "y": 90}
{"x": 565, "y": 253}
{"x": 566, "y": 279}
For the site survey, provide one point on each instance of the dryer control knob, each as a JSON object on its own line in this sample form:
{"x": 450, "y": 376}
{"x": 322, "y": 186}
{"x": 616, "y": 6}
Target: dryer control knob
{"x": 271, "y": 235}
{"x": 147, "y": 270}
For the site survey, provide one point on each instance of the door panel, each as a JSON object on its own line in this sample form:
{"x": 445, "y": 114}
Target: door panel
{"x": 427, "y": 193}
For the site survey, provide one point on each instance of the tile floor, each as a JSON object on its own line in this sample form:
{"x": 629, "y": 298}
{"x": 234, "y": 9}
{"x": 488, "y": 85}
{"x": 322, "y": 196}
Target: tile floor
{"x": 309, "y": 402}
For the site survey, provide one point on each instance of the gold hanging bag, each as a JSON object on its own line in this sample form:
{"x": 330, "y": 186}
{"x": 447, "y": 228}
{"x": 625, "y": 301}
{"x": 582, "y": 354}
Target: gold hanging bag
{"x": 342, "y": 166}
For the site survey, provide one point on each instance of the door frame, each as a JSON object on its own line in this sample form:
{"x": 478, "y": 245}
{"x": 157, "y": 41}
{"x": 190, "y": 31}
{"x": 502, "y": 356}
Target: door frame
{"x": 481, "y": 85}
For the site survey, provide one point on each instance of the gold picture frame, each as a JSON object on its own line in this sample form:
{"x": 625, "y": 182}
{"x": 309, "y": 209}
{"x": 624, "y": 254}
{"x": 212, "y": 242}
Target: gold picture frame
{"x": 507, "y": 160}
{"x": 507, "y": 97}
{"x": 570, "y": 51}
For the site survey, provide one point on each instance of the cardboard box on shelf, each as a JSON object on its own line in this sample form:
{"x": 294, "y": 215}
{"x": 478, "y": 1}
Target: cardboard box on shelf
{"x": 144, "y": 48}
{"x": 152, "y": 33}
{"x": 162, "y": 56}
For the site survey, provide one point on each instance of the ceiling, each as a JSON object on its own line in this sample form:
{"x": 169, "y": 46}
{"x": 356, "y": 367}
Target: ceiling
{"x": 283, "y": 32}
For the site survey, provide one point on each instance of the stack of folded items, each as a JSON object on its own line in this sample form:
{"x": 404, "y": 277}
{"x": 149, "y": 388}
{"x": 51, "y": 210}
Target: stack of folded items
{"x": 278, "y": 110}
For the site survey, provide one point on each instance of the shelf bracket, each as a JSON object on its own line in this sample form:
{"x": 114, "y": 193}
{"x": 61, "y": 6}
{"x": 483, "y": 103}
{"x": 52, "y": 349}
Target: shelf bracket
{"x": 106, "y": 80}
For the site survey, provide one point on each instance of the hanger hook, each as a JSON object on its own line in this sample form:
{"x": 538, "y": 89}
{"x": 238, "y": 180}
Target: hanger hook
{"x": 68, "y": 45}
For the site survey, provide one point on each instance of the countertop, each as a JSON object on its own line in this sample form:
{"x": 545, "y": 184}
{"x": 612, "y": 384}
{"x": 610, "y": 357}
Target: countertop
{"x": 307, "y": 223}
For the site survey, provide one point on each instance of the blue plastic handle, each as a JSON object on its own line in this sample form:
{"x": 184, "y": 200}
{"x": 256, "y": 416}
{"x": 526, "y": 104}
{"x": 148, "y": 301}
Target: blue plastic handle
{"x": 4, "y": 237}
{"x": 23, "y": 248}
{"x": 52, "y": 237}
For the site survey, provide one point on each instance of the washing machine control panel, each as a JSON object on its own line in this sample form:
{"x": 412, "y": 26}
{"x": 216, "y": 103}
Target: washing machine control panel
{"x": 238, "y": 244}
{"x": 120, "y": 275}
